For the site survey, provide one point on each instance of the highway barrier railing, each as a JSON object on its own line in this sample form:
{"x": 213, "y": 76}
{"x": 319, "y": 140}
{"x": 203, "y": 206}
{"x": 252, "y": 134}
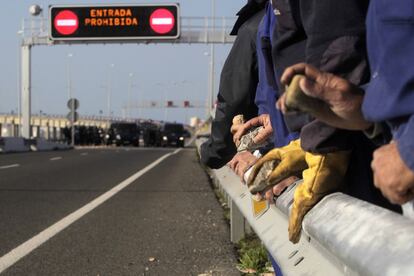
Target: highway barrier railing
{"x": 18, "y": 144}
{"x": 341, "y": 234}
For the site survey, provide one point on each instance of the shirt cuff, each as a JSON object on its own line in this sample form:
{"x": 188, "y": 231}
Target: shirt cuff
{"x": 262, "y": 110}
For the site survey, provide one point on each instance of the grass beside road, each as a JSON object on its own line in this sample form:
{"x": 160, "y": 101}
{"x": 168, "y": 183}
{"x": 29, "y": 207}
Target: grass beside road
{"x": 253, "y": 258}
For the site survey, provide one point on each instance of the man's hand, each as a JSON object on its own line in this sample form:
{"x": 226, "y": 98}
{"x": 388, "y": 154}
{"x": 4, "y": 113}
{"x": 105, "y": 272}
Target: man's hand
{"x": 343, "y": 99}
{"x": 262, "y": 120}
{"x": 391, "y": 175}
{"x": 277, "y": 190}
{"x": 241, "y": 162}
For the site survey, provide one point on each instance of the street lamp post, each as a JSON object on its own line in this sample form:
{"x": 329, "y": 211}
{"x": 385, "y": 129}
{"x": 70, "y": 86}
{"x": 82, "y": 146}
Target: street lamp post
{"x": 20, "y": 34}
{"x": 68, "y": 76}
{"x": 69, "y": 83}
{"x": 129, "y": 96}
{"x": 109, "y": 92}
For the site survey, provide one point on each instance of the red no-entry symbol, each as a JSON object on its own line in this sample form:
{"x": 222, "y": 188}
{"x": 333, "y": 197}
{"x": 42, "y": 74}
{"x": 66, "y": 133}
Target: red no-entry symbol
{"x": 162, "y": 21}
{"x": 66, "y": 22}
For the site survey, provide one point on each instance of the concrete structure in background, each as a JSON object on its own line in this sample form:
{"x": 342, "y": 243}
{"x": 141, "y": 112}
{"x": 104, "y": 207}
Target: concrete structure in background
{"x": 47, "y": 127}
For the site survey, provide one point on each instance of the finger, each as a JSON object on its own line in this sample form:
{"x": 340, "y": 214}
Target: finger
{"x": 269, "y": 196}
{"x": 234, "y": 129}
{"x": 258, "y": 197}
{"x": 236, "y": 138}
{"x": 396, "y": 198}
{"x": 256, "y": 121}
{"x": 233, "y": 163}
{"x": 291, "y": 71}
{"x": 281, "y": 104}
{"x": 241, "y": 169}
{"x": 312, "y": 88}
{"x": 238, "y": 171}
{"x": 240, "y": 132}
{"x": 377, "y": 181}
{"x": 262, "y": 135}
{"x": 281, "y": 186}
{"x": 264, "y": 119}
{"x": 229, "y": 163}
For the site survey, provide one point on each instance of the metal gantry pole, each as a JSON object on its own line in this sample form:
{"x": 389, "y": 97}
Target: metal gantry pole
{"x": 212, "y": 61}
{"x": 109, "y": 94}
{"x": 26, "y": 89}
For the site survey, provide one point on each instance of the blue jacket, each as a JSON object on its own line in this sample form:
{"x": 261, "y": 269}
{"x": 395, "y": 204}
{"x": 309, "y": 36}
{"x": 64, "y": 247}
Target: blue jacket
{"x": 390, "y": 94}
{"x": 267, "y": 88}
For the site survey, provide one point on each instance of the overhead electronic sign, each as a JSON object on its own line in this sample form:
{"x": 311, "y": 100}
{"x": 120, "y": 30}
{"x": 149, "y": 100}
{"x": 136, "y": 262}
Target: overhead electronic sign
{"x": 114, "y": 22}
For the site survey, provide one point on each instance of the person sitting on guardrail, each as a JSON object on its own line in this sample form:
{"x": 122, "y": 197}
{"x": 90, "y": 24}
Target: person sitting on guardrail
{"x": 389, "y": 98}
{"x": 237, "y": 87}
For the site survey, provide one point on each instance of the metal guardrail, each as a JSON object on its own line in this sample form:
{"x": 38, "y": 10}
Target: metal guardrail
{"x": 341, "y": 235}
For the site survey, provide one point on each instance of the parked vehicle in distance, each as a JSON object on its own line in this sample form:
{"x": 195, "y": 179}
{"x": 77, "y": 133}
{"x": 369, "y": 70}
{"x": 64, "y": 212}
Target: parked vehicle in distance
{"x": 95, "y": 135}
{"x": 173, "y": 134}
{"x": 123, "y": 134}
{"x": 151, "y": 134}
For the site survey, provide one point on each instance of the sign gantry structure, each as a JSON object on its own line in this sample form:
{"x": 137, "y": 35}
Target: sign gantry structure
{"x": 114, "y": 23}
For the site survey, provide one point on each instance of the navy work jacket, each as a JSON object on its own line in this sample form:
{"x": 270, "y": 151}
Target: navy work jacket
{"x": 267, "y": 88}
{"x": 390, "y": 94}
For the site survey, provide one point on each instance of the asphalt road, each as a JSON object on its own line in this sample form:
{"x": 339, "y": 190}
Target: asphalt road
{"x": 168, "y": 213}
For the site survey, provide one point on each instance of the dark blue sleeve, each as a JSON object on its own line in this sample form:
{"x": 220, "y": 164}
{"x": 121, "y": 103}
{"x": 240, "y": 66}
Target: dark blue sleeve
{"x": 262, "y": 87}
{"x": 390, "y": 94}
{"x": 405, "y": 141}
{"x": 390, "y": 41}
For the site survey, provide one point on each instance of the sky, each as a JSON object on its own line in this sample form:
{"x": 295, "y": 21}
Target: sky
{"x": 157, "y": 72}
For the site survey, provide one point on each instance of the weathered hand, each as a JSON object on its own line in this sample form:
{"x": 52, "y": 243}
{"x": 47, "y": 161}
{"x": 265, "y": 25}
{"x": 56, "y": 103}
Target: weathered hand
{"x": 391, "y": 175}
{"x": 343, "y": 99}
{"x": 241, "y": 162}
{"x": 262, "y": 120}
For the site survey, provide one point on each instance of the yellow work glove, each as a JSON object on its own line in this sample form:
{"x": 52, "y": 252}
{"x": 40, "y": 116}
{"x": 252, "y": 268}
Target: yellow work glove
{"x": 325, "y": 175}
{"x": 276, "y": 165}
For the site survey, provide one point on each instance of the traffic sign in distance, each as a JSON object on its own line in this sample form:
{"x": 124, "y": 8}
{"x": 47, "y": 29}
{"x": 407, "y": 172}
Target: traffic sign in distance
{"x": 75, "y": 116}
{"x": 73, "y": 103}
{"x": 162, "y": 21}
{"x": 114, "y": 22}
{"x": 66, "y": 22}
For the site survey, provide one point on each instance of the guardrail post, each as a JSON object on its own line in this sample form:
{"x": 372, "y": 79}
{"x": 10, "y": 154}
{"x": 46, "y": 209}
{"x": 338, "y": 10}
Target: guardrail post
{"x": 236, "y": 223}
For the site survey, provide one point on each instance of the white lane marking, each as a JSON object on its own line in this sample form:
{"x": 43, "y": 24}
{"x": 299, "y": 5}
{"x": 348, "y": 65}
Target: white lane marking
{"x": 55, "y": 158}
{"x": 9, "y": 166}
{"x": 84, "y": 154}
{"x": 22, "y": 250}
